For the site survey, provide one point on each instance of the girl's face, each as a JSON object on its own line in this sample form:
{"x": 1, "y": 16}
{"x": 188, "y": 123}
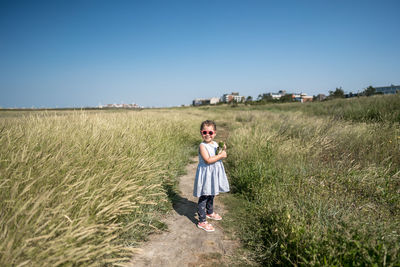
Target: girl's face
{"x": 208, "y": 133}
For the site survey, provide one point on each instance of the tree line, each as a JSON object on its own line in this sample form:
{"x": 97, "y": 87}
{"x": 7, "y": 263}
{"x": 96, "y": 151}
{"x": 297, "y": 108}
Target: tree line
{"x": 337, "y": 93}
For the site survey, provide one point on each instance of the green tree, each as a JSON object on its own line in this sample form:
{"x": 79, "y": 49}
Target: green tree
{"x": 286, "y": 98}
{"x": 266, "y": 97}
{"x": 369, "y": 91}
{"x": 338, "y": 93}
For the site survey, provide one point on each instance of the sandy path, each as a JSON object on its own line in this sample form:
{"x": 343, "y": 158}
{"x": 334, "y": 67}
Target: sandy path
{"x": 184, "y": 244}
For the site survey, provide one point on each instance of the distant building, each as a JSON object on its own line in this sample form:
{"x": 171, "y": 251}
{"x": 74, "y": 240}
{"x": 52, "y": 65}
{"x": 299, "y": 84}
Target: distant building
{"x": 282, "y": 92}
{"x": 306, "y": 98}
{"x": 133, "y": 105}
{"x": 350, "y": 95}
{"x": 233, "y": 97}
{"x": 393, "y": 89}
{"x": 296, "y": 97}
{"x": 214, "y": 100}
{"x": 321, "y": 97}
{"x": 199, "y": 102}
{"x": 274, "y": 95}
{"x": 205, "y": 101}
{"x": 303, "y": 97}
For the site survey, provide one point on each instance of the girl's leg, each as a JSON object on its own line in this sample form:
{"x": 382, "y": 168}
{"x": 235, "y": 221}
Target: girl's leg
{"x": 210, "y": 210}
{"x": 201, "y": 208}
{"x": 210, "y": 204}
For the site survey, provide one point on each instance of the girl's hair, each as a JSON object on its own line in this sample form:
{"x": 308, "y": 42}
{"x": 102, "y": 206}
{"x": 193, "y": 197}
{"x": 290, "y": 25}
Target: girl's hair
{"x": 208, "y": 123}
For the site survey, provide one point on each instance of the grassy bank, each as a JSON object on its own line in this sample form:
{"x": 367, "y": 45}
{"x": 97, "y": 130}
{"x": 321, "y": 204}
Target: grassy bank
{"x": 379, "y": 108}
{"x": 315, "y": 190}
{"x": 83, "y": 188}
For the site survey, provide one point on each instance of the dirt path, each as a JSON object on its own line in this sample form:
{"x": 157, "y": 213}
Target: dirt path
{"x": 184, "y": 244}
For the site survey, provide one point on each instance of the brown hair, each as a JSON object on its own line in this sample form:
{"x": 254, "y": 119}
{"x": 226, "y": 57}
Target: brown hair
{"x": 208, "y": 123}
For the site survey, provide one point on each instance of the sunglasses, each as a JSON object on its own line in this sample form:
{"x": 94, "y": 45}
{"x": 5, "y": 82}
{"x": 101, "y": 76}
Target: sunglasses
{"x": 205, "y": 132}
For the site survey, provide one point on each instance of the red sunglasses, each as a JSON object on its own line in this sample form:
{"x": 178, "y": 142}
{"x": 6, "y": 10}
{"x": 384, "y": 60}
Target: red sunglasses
{"x": 205, "y": 132}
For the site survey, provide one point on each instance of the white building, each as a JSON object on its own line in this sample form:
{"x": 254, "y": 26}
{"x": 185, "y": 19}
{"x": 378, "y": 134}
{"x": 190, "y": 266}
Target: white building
{"x": 133, "y": 105}
{"x": 393, "y": 89}
{"x": 234, "y": 97}
{"x": 205, "y": 101}
{"x": 303, "y": 97}
{"x": 275, "y": 95}
{"x": 214, "y": 100}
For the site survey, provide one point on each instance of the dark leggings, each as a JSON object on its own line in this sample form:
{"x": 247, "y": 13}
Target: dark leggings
{"x": 206, "y": 204}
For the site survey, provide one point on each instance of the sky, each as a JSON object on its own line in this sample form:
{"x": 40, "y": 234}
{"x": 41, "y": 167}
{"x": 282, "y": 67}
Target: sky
{"x": 167, "y": 53}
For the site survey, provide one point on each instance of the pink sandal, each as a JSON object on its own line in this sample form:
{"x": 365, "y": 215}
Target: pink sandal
{"x": 214, "y": 216}
{"x": 206, "y": 226}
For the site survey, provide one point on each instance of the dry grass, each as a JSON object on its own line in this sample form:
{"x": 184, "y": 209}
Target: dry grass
{"x": 83, "y": 188}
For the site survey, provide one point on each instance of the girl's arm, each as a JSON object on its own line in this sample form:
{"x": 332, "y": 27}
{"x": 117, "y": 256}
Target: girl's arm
{"x": 209, "y": 160}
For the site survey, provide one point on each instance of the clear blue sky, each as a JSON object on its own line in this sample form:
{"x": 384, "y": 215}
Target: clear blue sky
{"x": 166, "y": 53}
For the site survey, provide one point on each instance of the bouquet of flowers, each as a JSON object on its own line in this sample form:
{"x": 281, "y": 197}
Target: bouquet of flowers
{"x": 220, "y": 147}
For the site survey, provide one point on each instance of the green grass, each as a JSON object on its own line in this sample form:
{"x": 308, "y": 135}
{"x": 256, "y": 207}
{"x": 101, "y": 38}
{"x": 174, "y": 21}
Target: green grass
{"x": 316, "y": 183}
{"x": 316, "y": 190}
{"x": 379, "y": 108}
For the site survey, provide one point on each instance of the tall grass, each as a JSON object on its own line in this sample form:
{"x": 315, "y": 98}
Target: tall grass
{"x": 83, "y": 188}
{"x": 379, "y": 108}
{"x": 316, "y": 190}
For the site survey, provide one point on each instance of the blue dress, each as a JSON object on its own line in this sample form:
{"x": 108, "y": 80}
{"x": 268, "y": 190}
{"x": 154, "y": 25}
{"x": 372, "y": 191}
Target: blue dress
{"x": 210, "y": 178}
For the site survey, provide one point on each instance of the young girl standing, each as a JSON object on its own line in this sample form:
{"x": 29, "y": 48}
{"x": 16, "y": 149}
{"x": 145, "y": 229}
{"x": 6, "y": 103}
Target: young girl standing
{"x": 210, "y": 176}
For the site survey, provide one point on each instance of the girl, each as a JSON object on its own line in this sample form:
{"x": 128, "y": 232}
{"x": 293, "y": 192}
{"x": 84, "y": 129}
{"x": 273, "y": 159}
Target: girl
{"x": 210, "y": 176}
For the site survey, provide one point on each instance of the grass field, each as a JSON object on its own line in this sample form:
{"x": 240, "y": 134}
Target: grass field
{"x": 317, "y": 189}
{"x": 314, "y": 184}
{"x": 379, "y": 108}
{"x": 82, "y": 188}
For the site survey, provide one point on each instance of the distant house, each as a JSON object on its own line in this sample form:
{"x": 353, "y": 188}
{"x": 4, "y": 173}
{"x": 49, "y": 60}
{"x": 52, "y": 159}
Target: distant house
{"x": 205, "y": 101}
{"x": 199, "y": 102}
{"x": 303, "y": 97}
{"x": 233, "y": 97}
{"x": 121, "y": 106}
{"x": 274, "y": 95}
{"x": 350, "y": 95}
{"x": 306, "y": 98}
{"x": 214, "y": 100}
{"x": 393, "y": 89}
{"x": 321, "y": 97}
{"x": 277, "y": 95}
{"x": 296, "y": 97}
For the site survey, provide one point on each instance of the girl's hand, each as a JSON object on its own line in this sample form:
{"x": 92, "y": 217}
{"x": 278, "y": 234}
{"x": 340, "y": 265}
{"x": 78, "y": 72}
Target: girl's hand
{"x": 223, "y": 154}
{"x": 224, "y": 147}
